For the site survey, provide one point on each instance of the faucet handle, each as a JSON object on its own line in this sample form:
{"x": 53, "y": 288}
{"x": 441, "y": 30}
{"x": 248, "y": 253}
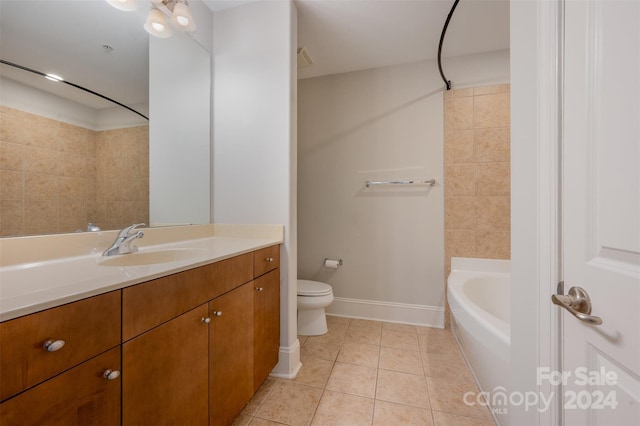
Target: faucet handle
{"x": 127, "y": 231}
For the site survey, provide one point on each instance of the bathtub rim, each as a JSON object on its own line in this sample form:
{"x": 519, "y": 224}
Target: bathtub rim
{"x": 463, "y": 269}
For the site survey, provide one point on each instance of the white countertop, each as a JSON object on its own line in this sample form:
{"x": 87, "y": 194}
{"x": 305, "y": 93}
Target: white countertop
{"x": 33, "y": 286}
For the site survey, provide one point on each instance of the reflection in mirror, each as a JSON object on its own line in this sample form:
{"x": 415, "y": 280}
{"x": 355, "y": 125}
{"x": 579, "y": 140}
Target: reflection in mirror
{"x": 67, "y": 158}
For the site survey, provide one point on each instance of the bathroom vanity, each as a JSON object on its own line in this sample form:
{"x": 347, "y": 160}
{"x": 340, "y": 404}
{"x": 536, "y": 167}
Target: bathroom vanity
{"x": 190, "y": 346}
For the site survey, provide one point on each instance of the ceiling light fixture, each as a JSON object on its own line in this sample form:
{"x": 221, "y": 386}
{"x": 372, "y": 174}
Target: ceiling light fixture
{"x": 181, "y": 17}
{"x": 177, "y": 11}
{"x": 126, "y": 5}
{"x": 156, "y": 24}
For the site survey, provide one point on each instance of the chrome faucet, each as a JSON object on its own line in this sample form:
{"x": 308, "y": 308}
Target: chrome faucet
{"x": 125, "y": 240}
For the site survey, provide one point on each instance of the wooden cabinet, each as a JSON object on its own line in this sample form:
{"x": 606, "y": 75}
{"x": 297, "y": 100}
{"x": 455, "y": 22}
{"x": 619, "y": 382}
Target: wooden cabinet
{"x": 164, "y": 380}
{"x": 193, "y": 346}
{"x": 79, "y": 396}
{"x": 75, "y": 332}
{"x": 266, "y": 325}
{"x": 231, "y": 354}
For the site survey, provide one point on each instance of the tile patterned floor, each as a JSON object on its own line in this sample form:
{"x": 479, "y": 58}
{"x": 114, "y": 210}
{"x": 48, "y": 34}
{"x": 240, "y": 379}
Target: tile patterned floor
{"x": 371, "y": 373}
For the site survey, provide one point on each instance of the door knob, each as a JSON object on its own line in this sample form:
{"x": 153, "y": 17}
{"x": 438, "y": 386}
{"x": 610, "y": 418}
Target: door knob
{"x": 578, "y": 303}
{"x": 111, "y": 374}
{"x": 53, "y": 345}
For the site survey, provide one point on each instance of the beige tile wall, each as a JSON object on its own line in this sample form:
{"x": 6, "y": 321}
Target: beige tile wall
{"x": 477, "y": 173}
{"x": 52, "y": 175}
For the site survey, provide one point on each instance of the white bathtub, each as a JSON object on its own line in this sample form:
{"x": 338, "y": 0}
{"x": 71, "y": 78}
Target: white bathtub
{"x": 478, "y": 294}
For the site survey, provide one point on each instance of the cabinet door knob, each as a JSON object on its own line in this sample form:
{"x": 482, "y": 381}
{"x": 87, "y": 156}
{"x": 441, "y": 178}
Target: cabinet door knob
{"x": 260, "y": 288}
{"x": 269, "y": 259}
{"x": 111, "y": 374}
{"x": 217, "y": 313}
{"x": 53, "y": 345}
{"x": 206, "y": 320}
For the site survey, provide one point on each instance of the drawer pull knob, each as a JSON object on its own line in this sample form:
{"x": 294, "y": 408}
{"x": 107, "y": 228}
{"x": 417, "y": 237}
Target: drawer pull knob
{"x": 269, "y": 259}
{"x": 111, "y": 374}
{"x": 53, "y": 345}
{"x": 206, "y": 320}
{"x": 260, "y": 288}
{"x": 217, "y": 313}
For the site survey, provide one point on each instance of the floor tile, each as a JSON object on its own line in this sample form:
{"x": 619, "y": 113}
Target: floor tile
{"x": 401, "y": 360}
{"x": 389, "y": 413}
{"x": 371, "y": 373}
{"x": 374, "y": 325}
{"x": 331, "y": 336}
{"x": 437, "y": 341}
{"x": 258, "y": 398}
{"x": 262, "y": 422}
{"x": 314, "y": 372}
{"x": 339, "y": 409}
{"x": 337, "y": 322}
{"x": 451, "y": 366}
{"x": 400, "y": 328}
{"x": 353, "y": 379}
{"x": 399, "y": 340}
{"x": 242, "y": 420}
{"x": 448, "y": 396}
{"x": 290, "y": 403}
{"x": 403, "y": 388}
{"x": 448, "y": 419}
{"x": 320, "y": 349}
{"x": 359, "y": 354}
{"x": 366, "y": 335}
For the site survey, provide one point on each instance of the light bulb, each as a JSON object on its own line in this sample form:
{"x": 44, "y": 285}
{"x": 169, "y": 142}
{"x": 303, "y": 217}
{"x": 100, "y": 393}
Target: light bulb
{"x": 182, "y": 21}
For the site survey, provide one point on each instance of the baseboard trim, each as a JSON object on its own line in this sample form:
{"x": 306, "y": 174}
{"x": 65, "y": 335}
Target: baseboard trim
{"x": 288, "y": 362}
{"x": 429, "y": 316}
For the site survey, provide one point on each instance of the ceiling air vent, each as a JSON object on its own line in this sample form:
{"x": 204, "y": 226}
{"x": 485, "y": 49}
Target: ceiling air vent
{"x": 304, "y": 59}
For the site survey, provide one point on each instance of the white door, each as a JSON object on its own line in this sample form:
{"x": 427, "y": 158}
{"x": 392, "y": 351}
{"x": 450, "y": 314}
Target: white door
{"x": 601, "y": 210}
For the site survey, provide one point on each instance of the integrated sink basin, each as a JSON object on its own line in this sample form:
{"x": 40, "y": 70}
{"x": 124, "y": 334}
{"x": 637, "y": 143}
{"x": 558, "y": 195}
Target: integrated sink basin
{"x": 152, "y": 257}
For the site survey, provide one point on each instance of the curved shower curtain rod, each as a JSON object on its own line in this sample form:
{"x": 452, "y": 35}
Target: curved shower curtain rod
{"x": 2, "y": 61}
{"x": 444, "y": 30}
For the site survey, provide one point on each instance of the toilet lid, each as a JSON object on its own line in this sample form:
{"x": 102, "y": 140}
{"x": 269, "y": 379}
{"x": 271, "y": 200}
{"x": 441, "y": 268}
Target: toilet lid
{"x": 313, "y": 288}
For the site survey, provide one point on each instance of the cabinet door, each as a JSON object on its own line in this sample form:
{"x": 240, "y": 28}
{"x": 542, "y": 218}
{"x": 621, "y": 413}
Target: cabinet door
{"x": 164, "y": 373}
{"x": 231, "y": 349}
{"x": 80, "y": 396}
{"x": 266, "y": 325}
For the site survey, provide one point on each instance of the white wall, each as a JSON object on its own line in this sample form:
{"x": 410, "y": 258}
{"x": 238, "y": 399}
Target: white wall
{"x": 379, "y": 124}
{"x": 254, "y": 171}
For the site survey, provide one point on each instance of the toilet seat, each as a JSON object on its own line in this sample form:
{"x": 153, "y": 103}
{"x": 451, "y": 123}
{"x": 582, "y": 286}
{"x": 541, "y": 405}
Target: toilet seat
{"x": 313, "y": 288}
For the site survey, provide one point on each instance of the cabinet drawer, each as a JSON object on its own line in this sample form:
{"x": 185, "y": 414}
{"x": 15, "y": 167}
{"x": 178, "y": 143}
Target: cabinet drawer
{"x": 80, "y": 396}
{"x": 233, "y": 272}
{"x": 87, "y": 327}
{"x": 265, "y": 260}
{"x": 154, "y": 302}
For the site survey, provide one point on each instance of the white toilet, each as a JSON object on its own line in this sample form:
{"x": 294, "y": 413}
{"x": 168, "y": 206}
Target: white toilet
{"x": 313, "y": 297}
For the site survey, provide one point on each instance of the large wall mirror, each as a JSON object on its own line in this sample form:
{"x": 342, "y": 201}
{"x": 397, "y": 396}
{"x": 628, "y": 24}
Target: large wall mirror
{"x": 69, "y": 158}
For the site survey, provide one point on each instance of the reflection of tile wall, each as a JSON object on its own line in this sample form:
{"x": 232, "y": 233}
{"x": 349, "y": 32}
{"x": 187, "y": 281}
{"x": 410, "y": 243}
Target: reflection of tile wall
{"x": 50, "y": 175}
{"x": 122, "y": 193}
{"x": 477, "y": 173}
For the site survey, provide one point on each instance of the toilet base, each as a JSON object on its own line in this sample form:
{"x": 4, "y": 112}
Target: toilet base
{"x": 312, "y": 322}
